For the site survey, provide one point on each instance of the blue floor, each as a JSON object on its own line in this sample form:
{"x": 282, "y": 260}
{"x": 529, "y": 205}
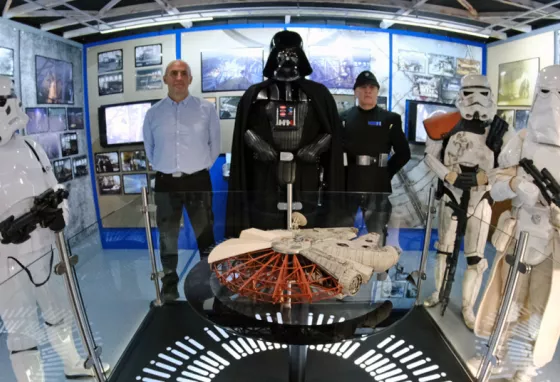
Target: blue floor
{"x": 117, "y": 291}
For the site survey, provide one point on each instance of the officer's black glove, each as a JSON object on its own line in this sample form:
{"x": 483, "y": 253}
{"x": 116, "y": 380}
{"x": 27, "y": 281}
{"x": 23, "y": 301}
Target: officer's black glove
{"x": 311, "y": 152}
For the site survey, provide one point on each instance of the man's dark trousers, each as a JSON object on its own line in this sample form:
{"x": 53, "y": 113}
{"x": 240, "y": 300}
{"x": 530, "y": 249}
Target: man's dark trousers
{"x": 194, "y": 193}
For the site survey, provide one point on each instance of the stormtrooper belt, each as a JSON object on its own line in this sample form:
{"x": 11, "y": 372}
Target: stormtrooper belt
{"x": 367, "y": 160}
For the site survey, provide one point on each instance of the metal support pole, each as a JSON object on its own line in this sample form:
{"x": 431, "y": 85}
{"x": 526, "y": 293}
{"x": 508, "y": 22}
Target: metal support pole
{"x": 426, "y": 248}
{"x": 290, "y": 192}
{"x": 78, "y": 309}
{"x": 511, "y": 285}
{"x": 149, "y": 240}
{"x": 298, "y": 362}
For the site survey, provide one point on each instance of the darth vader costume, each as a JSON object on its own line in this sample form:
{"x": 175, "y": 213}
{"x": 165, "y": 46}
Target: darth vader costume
{"x": 285, "y": 116}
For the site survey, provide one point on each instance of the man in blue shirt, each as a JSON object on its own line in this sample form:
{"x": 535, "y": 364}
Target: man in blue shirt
{"x": 182, "y": 141}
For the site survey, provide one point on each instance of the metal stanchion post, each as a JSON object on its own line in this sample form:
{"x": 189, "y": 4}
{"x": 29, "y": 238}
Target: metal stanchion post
{"x": 290, "y": 192}
{"x": 155, "y": 274}
{"x": 78, "y": 308}
{"x": 426, "y": 248}
{"x": 511, "y": 284}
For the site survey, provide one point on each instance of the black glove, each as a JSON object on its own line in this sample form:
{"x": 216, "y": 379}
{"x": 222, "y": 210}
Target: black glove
{"x": 495, "y": 138}
{"x": 263, "y": 150}
{"x": 311, "y": 152}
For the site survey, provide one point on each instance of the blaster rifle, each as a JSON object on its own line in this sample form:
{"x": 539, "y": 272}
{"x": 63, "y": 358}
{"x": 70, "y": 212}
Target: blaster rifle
{"x": 460, "y": 212}
{"x": 44, "y": 212}
{"x": 545, "y": 182}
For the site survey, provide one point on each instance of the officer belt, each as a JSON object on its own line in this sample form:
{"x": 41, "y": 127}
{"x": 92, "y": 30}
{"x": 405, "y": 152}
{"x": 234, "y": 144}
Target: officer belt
{"x": 368, "y": 160}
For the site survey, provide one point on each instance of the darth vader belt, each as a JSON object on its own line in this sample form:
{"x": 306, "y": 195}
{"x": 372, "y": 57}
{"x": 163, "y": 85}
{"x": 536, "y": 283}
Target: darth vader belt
{"x": 368, "y": 160}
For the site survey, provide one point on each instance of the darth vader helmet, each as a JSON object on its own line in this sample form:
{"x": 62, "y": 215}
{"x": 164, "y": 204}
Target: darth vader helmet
{"x": 287, "y": 60}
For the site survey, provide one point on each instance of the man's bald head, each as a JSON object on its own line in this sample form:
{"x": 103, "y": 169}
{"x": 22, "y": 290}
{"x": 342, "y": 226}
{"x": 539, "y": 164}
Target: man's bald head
{"x": 178, "y": 78}
{"x": 175, "y": 63}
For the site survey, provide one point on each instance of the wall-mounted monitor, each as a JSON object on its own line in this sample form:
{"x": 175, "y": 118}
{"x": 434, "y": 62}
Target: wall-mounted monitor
{"x": 417, "y": 112}
{"x": 122, "y": 124}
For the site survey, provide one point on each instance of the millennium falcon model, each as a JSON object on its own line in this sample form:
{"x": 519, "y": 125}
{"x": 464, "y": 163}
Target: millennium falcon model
{"x": 301, "y": 265}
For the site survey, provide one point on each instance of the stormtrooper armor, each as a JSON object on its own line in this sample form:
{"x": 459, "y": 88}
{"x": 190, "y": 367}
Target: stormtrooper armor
{"x": 463, "y": 159}
{"x": 534, "y": 304}
{"x": 25, "y": 173}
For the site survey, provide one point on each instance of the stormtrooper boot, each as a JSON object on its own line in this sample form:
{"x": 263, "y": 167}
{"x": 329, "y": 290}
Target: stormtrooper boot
{"x": 27, "y": 366}
{"x": 439, "y": 273}
{"x": 471, "y": 287}
{"x": 62, "y": 341}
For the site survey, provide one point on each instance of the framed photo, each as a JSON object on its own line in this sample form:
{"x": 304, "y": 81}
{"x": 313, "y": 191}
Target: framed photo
{"x": 69, "y": 144}
{"x": 75, "y": 118}
{"x": 337, "y": 70}
{"x": 508, "y": 116}
{"x": 80, "y": 166}
{"x": 38, "y": 120}
{"x": 344, "y": 102}
{"x": 425, "y": 86}
{"x": 516, "y": 82}
{"x": 109, "y": 184}
{"x": 54, "y": 79}
{"x": 149, "y": 79}
{"x": 467, "y": 66}
{"x": 440, "y": 65}
{"x": 133, "y": 161}
{"x": 62, "y": 169}
{"x": 382, "y": 102}
{"x": 411, "y": 61}
{"x": 6, "y": 62}
{"x": 50, "y": 143}
{"x": 110, "y": 84}
{"x": 107, "y": 162}
{"x": 228, "y": 107}
{"x": 57, "y": 119}
{"x": 133, "y": 183}
{"x": 212, "y": 100}
{"x": 147, "y": 55}
{"x": 450, "y": 87}
{"x": 521, "y": 119}
{"x": 110, "y": 61}
{"x": 231, "y": 69}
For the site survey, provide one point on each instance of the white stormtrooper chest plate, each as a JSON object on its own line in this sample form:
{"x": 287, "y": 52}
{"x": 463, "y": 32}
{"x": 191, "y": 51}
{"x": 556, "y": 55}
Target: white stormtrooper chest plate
{"x": 21, "y": 178}
{"x": 469, "y": 149}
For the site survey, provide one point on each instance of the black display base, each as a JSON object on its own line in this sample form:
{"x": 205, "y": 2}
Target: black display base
{"x": 175, "y": 344}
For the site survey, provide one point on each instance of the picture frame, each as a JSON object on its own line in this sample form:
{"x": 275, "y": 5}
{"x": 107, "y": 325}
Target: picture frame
{"x": 54, "y": 81}
{"x": 62, "y": 169}
{"x": 69, "y": 144}
{"x": 517, "y": 81}
{"x": 50, "y": 143}
{"x": 110, "y": 61}
{"x": 344, "y": 102}
{"x": 149, "y": 79}
{"x": 230, "y": 69}
{"x": 441, "y": 65}
{"x": 133, "y": 161}
{"x": 38, "y": 120}
{"x": 109, "y": 184}
{"x": 57, "y": 119}
{"x": 468, "y": 66}
{"x": 148, "y": 55}
{"x": 75, "y": 118}
{"x": 6, "y": 62}
{"x": 111, "y": 83}
{"x": 412, "y": 61}
{"x": 521, "y": 119}
{"x": 133, "y": 183}
{"x": 107, "y": 162}
{"x": 80, "y": 166}
{"x": 338, "y": 70}
{"x": 228, "y": 106}
{"x": 508, "y": 116}
{"x": 425, "y": 86}
{"x": 382, "y": 102}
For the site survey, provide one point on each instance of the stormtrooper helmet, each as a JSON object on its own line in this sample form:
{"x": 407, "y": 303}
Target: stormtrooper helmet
{"x": 544, "y": 120}
{"x": 475, "y": 98}
{"x": 12, "y": 117}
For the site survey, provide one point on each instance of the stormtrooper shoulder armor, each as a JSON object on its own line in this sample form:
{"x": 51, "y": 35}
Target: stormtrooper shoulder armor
{"x": 511, "y": 152}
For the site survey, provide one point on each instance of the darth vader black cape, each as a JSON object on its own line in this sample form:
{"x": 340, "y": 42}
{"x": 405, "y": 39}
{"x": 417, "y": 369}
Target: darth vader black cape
{"x": 244, "y": 166}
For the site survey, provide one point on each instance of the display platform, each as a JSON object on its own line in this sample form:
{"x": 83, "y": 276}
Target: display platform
{"x": 175, "y": 343}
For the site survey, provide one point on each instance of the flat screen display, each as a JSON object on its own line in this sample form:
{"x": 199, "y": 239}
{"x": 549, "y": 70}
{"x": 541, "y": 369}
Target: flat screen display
{"x": 418, "y": 112}
{"x": 122, "y": 124}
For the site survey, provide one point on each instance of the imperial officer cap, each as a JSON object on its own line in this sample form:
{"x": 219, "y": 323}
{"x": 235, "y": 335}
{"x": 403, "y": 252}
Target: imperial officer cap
{"x": 366, "y": 78}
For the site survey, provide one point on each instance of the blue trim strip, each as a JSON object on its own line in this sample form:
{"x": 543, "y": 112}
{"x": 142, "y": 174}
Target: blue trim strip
{"x": 484, "y": 60}
{"x": 285, "y": 26}
{"x": 178, "y": 51}
{"x": 390, "y": 95}
{"x": 89, "y": 145}
{"x": 184, "y": 271}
